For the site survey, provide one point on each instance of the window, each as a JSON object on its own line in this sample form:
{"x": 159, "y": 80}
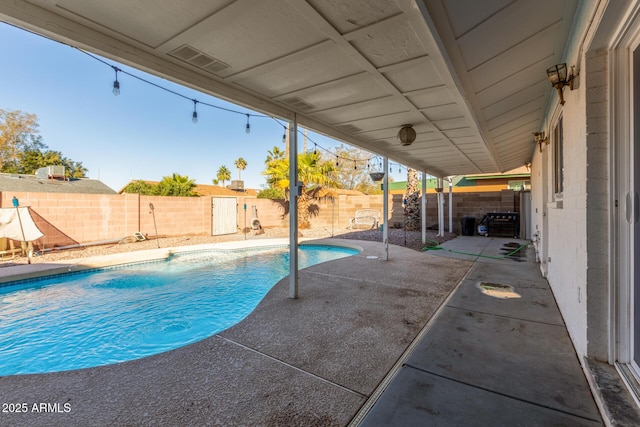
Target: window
{"x": 558, "y": 161}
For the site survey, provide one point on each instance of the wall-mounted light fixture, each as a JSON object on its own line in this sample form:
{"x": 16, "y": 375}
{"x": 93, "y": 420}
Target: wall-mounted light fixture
{"x": 540, "y": 139}
{"x": 406, "y": 135}
{"x": 557, "y": 76}
{"x": 527, "y": 165}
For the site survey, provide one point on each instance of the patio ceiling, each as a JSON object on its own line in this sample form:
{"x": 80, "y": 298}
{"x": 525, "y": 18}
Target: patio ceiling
{"x": 469, "y": 75}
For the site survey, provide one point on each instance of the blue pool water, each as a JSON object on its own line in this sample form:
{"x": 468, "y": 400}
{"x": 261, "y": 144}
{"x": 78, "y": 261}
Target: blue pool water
{"x": 112, "y": 315}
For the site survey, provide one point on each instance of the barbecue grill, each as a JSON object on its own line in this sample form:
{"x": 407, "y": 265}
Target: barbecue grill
{"x": 502, "y": 224}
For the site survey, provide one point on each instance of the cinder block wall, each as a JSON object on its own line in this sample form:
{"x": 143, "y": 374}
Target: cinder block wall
{"x": 476, "y": 205}
{"x": 328, "y": 212}
{"x": 76, "y": 217}
{"x": 85, "y": 218}
{"x": 175, "y": 216}
{"x": 270, "y": 213}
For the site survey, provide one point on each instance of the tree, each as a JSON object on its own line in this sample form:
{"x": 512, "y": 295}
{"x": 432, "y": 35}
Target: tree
{"x": 22, "y": 150}
{"x": 176, "y": 185}
{"x": 271, "y": 193}
{"x": 274, "y": 154}
{"x": 140, "y": 187}
{"x": 32, "y": 159}
{"x": 314, "y": 174}
{"x": 369, "y": 187}
{"x": 352, "y": 167}
{"x": 16, "y": 128}
{"x": 223, "y": 174}
{"x": 241, "y": 164}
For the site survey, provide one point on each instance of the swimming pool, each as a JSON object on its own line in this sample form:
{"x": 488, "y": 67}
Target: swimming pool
{"x": 111, "y": 315}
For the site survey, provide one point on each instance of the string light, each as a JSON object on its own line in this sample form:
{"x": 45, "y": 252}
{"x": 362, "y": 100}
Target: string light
{"x": 116, "y": 90}
{"x": 116, "y": 83}
{"x": 194, "y": 116}
{"x": 377, "y": 160}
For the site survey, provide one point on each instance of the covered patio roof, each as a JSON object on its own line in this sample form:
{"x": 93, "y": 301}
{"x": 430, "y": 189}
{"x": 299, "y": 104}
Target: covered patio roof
{"x": 468, "y": 75}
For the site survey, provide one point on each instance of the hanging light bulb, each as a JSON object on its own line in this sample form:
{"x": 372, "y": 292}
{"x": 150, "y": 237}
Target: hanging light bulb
{"x": 116, "y": 83}
{"x": 194, "y": 116}
{"x": 284, "y": 136}
{"x": 247, "y": 128}
{"x": 355, "y": 166}
{"x": 337, "y": 161}
{"x": 315, "y": 148}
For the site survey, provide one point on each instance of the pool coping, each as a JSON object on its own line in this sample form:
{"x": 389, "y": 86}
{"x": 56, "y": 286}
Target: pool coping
{"x": 25, "y": 272}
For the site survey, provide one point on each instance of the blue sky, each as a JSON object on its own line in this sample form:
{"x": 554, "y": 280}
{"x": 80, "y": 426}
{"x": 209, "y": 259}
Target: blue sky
{"x": 145, "y": 132}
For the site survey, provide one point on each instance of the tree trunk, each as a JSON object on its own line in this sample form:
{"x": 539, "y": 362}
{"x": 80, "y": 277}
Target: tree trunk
{"x": 412, "y": 197}
{"x": 304, "y": 217}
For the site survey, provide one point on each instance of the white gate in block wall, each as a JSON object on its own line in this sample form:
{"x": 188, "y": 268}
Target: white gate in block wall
{"x": 224, "y": 215}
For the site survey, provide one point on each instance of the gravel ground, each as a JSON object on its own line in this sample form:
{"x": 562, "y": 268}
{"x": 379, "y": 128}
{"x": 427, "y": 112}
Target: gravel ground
{"x": 410, "y": 239}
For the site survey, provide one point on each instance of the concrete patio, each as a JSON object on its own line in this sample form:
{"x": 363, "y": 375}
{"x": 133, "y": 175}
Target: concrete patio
{"x": 409, "y": 341}
{"x": 487, "y": 360}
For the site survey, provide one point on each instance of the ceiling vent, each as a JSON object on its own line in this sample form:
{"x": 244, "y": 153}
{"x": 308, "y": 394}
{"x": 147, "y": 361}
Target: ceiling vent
{"x": 349, "y": 128}
{"x": 298, "y": 104}
{"x": 198, "y": 59}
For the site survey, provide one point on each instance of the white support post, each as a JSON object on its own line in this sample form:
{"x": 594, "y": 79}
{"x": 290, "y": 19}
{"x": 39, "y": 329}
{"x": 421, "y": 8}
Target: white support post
{"x": 440, "y": 208}
{"x": 385, "y": 210}
{"x": 293, "y": 209}
{"x": 423, "y": 207}
{"x": 450, "y": 204}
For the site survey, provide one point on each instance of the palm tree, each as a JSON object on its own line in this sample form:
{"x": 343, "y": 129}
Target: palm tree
{"x": 275, "y": 154}
{"x": 313, "y": 173}
{"x": 223, "y": 174}
{"x": 241, "y": 164}
{"x": 176, "y": 185}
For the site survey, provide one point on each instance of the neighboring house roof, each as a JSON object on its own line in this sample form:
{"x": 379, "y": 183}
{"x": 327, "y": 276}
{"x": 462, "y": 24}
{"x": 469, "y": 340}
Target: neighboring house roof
{"x": 30, "y": 183}
{"x": 521, "y": 172}
{"x": 345, "y": 192}
{"x": 319, "y": 192}
{"x": 216, "y": 190}
{"x": 467, "y": 180}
